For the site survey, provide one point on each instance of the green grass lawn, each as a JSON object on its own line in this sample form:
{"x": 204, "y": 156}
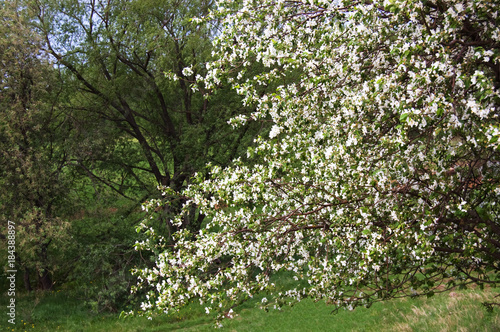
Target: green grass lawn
{"x": 455, "y": 311}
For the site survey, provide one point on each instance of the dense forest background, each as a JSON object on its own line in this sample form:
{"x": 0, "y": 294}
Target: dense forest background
{"x": 97, "y": 112}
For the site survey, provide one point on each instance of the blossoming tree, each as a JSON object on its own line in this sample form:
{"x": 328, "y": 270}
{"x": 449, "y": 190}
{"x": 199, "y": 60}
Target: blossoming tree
{"x": 380, "y": 177}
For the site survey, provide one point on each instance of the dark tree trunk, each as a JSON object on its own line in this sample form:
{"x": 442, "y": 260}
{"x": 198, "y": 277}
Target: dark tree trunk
{"x": 27, "y": 281}
{"x": 44, "y": 280}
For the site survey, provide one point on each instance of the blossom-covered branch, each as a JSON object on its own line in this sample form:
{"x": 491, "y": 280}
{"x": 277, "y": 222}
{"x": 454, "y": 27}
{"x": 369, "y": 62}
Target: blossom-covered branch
{"x": 381, "y": 174}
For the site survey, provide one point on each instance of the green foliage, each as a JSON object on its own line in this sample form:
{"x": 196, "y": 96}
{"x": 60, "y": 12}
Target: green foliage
{"x": 103, "y": 100}
{"x": 33, "y": 146}
{"x": 132, "y": 70}
{"x": 102, "y": 255}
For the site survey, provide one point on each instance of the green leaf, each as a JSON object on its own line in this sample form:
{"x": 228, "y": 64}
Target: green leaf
{"x": 403, "y": 117}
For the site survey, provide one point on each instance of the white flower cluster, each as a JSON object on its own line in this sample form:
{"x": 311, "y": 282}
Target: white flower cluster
{"x": 382, "y": 160}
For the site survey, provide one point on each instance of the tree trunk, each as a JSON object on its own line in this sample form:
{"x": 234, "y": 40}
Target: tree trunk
{"x": 44, "y": 280}
{"x": 27, "y": 281}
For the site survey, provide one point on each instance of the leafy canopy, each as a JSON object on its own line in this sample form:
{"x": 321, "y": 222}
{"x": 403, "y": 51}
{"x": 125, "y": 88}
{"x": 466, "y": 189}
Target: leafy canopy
{"x": 34, "y": 145}
{"x": 380, "y": 175}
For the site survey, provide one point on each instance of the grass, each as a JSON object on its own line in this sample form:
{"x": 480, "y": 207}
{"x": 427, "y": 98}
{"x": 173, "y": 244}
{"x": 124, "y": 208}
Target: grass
{"x": 455, "y": 311}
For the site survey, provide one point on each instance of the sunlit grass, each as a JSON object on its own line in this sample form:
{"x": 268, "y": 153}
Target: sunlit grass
{"x": 454, "y": 311}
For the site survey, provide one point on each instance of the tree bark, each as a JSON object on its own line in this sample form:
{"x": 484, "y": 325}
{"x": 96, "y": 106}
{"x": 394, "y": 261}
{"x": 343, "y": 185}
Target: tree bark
{"x": 44, "y": 280}
{"x": 27, "y": 281}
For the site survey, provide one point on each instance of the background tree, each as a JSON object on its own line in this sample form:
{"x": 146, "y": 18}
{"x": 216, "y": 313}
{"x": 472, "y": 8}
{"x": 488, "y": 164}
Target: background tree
{"x": 33, "y": 148}
{"x": 133, "y": 65}
{"x": 380, "y": 176}
{"x": 114, "y": 108}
